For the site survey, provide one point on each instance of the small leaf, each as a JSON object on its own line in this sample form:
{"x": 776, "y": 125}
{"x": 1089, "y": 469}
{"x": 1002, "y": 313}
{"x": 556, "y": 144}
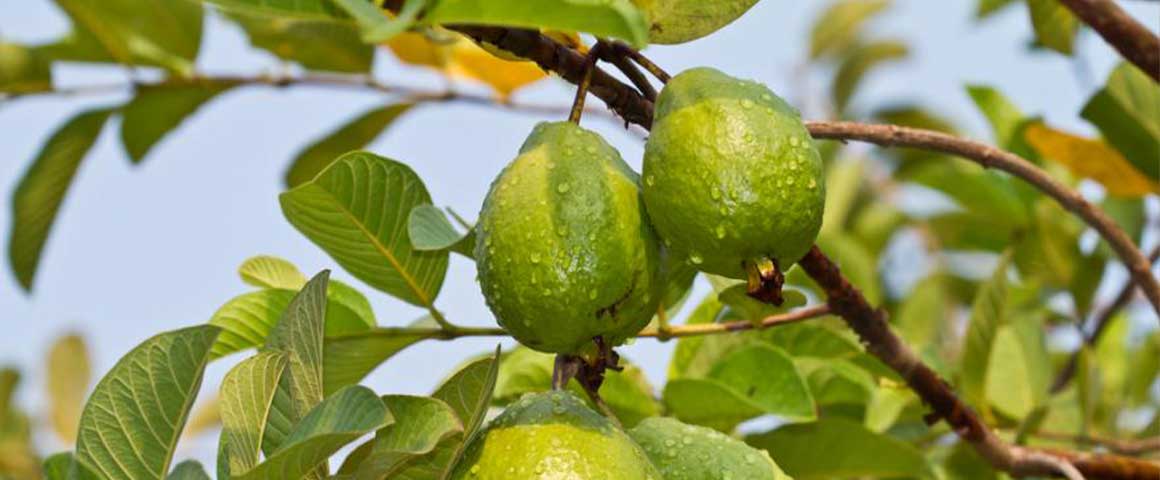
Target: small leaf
{"x": 353, "y": 135}
{"x": 429, "y": 229}
{"x": 469, "y": 392}
{"x": 298, "y": 335}
{"x": 612, "y": 18}
{"x": 131, "y": 423}
{"x": 247, "y": 392}
{"x": 1003, "y": 115}
{"x": 166, "y": 34}
{"x": 271, "y": 272}
{"x": 1127, "y": 112}
{"x": 188, "y": 470}
{"x": 421, "y": 424}
{"x": 1055, "y": 25}
{"x": 837, "y": 28}
{"x": 988, "y": 315}
{"x": 1019, "y": 383}
{"x": 69, "y": 376}
{"x": 314, "y": 44}
{"x": 860, "y": 61}
{"x": 340, "y": 419}
{"x": 987, "y": 8}
{"x": 154, "y": 112}
{"x": 42, "y": 189}
{"x": 23, "y": 70}
{"x": 248, "y": 318}
{"x": 839, "y": 448}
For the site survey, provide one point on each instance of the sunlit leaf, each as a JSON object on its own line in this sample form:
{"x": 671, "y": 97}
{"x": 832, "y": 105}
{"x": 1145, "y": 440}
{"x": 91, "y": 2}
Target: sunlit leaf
{"x": 43, "y": 187}
{"x": 839, "y": 448}
{"x": 313, "y": 44}
{"x": 292, "y": 9}
{"x": 987, "y": 8}
{"x": 152, "y": 32}
{"x": 156, "y": 111}
{"x": 23, "y": 69}
{"x": 68, "y": 378}
{"x": 1018, "y": 384}
{"x": 350, "y": 358}
{"x": 470, "y": 61}
{"x": 860, "y": 61}
{"x": 1127, "y": 112}
{"x": 271, "y": 272}
{"x": 131, "y": 423}
{"x": 1055, "y": 25}
{"x": 356, "y": 210}
{"x": 352, "y": 135}
{"x": 707, "y": 402}
{"x": 988, "y": 315}
{"x": 1003, "y": 116}
{"x": 1091, "y": 158}
{"x": 421, "y": 423}
{"x": 837, "y": 28}
{"x": 612, "y": 18}
{"x": 246, "y": 394}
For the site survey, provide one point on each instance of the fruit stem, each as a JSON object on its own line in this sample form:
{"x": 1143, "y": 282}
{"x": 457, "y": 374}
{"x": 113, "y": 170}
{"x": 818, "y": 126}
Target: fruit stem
{"x": 565, "y": 369}
{"x": 582, "y": 88}
{"x": 765, "y": 280}
{"x": 621, "y": 48}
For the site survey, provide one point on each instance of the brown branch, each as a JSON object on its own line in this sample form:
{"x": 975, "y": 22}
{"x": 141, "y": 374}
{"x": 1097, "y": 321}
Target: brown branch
{"x": 872, "y": 328}
{"x": 1133, "y": 447}
{"x": 991, "y": 157}
{"x": 1100, "y": 323}
{"x": 1133, "y": 40}
{"x": 737, "y": 326}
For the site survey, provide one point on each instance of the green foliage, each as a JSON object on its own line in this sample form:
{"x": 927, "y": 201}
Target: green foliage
{"x": 156, "y": 111}
{"x": 1055, "y": 25}
{"x": 1127, "y": 113}
{"x": 353, "y": 135}
{"x": 809, "y": 450}
{"x": 839, "y": 26}
{"x": 612, "y": 18}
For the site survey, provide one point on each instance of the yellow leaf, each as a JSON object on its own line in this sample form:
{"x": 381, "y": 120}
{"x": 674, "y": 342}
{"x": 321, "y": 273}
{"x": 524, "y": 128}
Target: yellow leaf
{"x": 1090, "y": 158}
{"x": 416, "y": 49}
{"x": 68, "y": 384}
{"x": 205, "y": 416}
{"x": 469, "y": 60}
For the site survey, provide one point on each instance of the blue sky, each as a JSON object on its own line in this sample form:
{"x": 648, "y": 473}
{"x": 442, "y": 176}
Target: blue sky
{"x": 141, "y": 249}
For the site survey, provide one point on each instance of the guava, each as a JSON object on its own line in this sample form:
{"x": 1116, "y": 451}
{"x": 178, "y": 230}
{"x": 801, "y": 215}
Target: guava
{"x": 686, "y": 452}
{"x": 680, "y": 21}
{"x": 564, "y": 249}
{"x": 732, "y": 179}
{"x": 553, "y": 435}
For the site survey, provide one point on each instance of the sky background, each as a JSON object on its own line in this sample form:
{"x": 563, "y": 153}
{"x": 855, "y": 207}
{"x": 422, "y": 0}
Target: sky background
{"x": 137, "y": 250}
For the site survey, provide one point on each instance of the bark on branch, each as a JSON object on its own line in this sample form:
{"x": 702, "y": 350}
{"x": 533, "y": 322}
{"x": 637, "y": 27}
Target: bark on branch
{"x": 1134, "y": 41}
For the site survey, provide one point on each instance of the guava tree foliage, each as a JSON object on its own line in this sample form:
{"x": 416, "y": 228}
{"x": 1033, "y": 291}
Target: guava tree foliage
{"x": 950, "y": 376}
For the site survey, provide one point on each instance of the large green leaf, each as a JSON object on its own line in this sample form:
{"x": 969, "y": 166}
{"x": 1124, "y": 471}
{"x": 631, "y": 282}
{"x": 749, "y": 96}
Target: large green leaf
{"x": 858, "y": 62}
{"x": 1055, "y": 25}
{"x": 157, "y": 110}
{"x": 353, "y": 135}
{"x": 421, "y": 423}
{"x": 23, "y": 69}
{"x": 43, "y": 187}
{"x": 602, "y": 18}
{"x": 839, "y": 26}
{"x": 313, "y": 44}
{"x": 1127, "y": 112}
{"x": 340, "y": 419}
{"x": 298, "y": 335}
{"x": 246, "y": 394}
{"x": 838, "y": 448}
{"x": 357, "y": 211}
{"x": 350, "y": 358}
{"x": 151, "y": 32}
{"x": 988, "y": 315}
{"x": 135, "y": 415}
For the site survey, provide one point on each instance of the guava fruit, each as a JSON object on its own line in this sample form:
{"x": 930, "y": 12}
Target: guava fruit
{"x": 732, "y": 179}
{"x": 553, "y": 435}
{"x": 564, "y": 249}
{"x": 680, "y": 21}
{"x": 686, "y": 452}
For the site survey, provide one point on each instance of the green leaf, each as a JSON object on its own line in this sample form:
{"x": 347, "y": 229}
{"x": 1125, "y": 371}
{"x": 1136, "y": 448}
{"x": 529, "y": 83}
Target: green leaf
{"x": 1127, "y": 113}
{"x": 858, "y": 62}
{"x": 298, "y": 335}
{"x": 988, "y": 315}
{"x": 469, "y": 393}
{"x": 43, "y": 187}
{"x": 977, "y": 190}
{"x": 886, "y": 405}
{"x": 1055, "y": 25}
{"x": 924, "y": 313}
{"x": 430, "y": 230}
{"x": 68, "y": 377}
{"x": 838, "y": 448}
{"x": 353, "y": 135}
{"x": 987, "y": 8}
{"x": 837, "y": 382}
{"x": 857, "y": 263}
{"x": 313, "y": 44}
{"x": 135, "y": 415}
{"x": 156, "y": 111}
{"x": 149, "y": 32}
{"x": 708, "y": 403}
{"x": 283, "y": 9}
{"x": 271, "y": 272}
{"x": 23, "y": 69}
{"x": 768, "y": 378}
{"x": 1004, "y": 116}
{"x": 421, "y": 423}
{"x": 840, "y": 25}
{"x": 340, "y": 419}
{"x": 188, "y": 470}
{"x": 246, "y": 394}
{"x": 737, "y": 298}
{"x": 843, "y": 182}
{"x": 356, "y": 210}
{"x": 57, "y": 465}
{"x": 1019, "y": 383}
{"x": 603, "y": 18}
{"x": 812, "y": 340}
{"x": 348, "y": 359}
{"x": 375, "y": 25}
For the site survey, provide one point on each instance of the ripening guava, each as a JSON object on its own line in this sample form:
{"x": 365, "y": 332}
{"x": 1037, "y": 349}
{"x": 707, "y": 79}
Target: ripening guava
{"x": 564, "y": 249}
{"x": 680, "y": 21}
{"x": 731, "y": 175}
{"x": 687, "y": 452}
{"x": 553, "y": 435}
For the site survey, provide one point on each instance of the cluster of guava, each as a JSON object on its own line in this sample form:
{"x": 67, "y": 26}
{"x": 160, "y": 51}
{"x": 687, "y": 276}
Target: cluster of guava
{"x": 572, "y": 246}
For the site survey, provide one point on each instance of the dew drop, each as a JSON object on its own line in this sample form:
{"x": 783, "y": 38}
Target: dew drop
{"x": 747, "y": 103}
{"x": 592, "y": 294}
{"x": 590, "y": 149}
{"x": 696, "y": 258}
{"x": 720, "y": 231}
{"x": 715, "y": 193}
{"x": 813, "y": 184}
{"x": 649, "y": 180}
{"x": 563, "y": 187}
{"x": 535, "y": 257}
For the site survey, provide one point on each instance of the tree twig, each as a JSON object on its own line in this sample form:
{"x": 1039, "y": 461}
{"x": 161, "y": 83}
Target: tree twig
{"x": 1133, "y": 40}
{"x": 991, "y": 157}
{"x": 1138, "y": 446}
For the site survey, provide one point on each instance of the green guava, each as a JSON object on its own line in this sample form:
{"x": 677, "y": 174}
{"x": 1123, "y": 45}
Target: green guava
{"x": 680, "y": 21}
{"x": 687, "y": 452}
{"x": 553, "y": 435}
{"x": 564, "y": 249}
{"x": 732, "y": 178}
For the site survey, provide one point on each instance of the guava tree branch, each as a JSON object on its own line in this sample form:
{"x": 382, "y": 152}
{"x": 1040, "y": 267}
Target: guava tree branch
{"x": 1133, "y": 40}
{"x": 991, "y": 157}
